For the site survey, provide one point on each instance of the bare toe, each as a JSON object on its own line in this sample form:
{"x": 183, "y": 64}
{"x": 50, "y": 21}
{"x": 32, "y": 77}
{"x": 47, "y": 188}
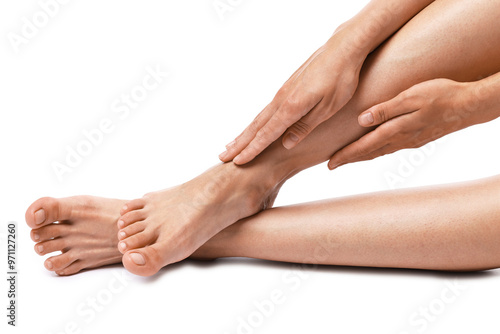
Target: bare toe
{"x": 48, "y": 232}
{"x": 73, "y": 268}
{"x": 50, "y": 246}
{"x": 131, "y": 217}
{"x": 135, "y": 204}
{"x": 135, "y": 241}
{"x": 86, "y": 232}
{"x": 59, "y": 262}
{"x": 44, "y": 211}
{"x": 145, "y": 261}
{"x": 131, "y": 230}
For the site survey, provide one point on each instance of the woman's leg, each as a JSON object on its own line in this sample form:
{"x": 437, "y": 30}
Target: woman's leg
{"x": 452, "y": 39}
{"x": 452, "y": 227}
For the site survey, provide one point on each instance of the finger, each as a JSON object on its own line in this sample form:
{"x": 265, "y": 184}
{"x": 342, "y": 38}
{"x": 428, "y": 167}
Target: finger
{"x": 239, "y": 143}
{"x": 386, "y": 149}
{"x": 290, "y": 111}
{"x": 303, "y": 127}
{"x": 380, "y": 113}
{"x": 236, "y": 146}
{"x": 364, "y": 146}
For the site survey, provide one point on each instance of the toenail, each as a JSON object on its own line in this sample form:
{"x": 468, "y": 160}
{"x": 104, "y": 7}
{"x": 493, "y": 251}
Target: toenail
{"x": 39, "y": 248}
{"x": 39, "y": 216}
{"x": 122, "y": 234}
{"x": 123, "y": 245}
{"x": 138, "y": 259}
{"x": 49, "y": 265}
{"x": 124, "y": 208}
{"x": 121, "y": 223}
{"x": 36, "y": 236}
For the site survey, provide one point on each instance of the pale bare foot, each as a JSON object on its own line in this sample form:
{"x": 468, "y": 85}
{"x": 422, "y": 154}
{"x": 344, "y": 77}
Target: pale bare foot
{"x": 168, "y": 226}
{"x": 83, "y": 228}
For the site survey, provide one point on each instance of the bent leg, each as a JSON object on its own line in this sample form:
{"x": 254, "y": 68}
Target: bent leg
{"x": 452, "y": 227}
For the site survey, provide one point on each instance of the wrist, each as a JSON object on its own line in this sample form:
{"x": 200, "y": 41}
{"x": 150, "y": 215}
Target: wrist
{"x": 350, "y": 44}
{"x": 480, "y": 101}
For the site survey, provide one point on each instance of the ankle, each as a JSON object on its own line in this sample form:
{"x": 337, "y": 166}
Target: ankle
{"x": 256, "y": 184}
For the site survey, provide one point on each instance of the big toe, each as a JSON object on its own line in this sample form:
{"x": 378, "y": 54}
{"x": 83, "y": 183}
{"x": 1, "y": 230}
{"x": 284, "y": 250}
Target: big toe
{"x": 143, "y": 262}
{"x": 42, "y": 212}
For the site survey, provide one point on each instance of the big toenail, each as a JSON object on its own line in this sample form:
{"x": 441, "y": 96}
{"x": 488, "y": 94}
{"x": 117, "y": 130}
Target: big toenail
{"x": 36, "y": 236}
{"x": 123, "y": 245}
{"x": 49, "y": 265}
{"x": 39, "y": 248}
{"x": 122, "y": 234}
{"x": 39, "y": 216}
{"x": 138, "y": 259}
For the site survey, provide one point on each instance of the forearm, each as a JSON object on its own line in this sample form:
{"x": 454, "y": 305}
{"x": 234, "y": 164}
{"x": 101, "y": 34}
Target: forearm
{"x": 452, "y": 227}
{"x": 376, "y": 22}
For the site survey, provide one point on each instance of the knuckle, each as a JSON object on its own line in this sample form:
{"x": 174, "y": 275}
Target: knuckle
{"x": 360, "y": 151}
{"x": 290, "y": 105}
{"x": 380, "y": 114}
{"x": 300, "y": 128}
{"x": 393, "y": 128}
{"x": 261, "y": 137}
{"x": 406, "y": 94}
{"x": 281, "y": 94}
{"x": 253, "y": 128}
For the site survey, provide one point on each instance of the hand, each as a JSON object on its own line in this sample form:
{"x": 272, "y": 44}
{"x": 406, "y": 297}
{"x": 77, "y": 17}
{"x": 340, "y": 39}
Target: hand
{"x": 420, "y": 114}
{"x": 314, "y": 93}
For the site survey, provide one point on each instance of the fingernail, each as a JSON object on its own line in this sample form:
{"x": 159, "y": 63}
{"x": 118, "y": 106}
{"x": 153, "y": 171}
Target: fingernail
{"x": 332, "y": 166}
{"x": 39, "y": 216}
{"x": 290, "y": 141}
{"x": 36, "y": 237}
{"x": 48, "y": 265}
{"x": 366, "y": 119}
{"x": 237, "y": 160}
{"x": 39, "y": 248}
{"x": 223, "y": 155}
{"x": 138, "y": 259}
{"x": 230, "y": 144}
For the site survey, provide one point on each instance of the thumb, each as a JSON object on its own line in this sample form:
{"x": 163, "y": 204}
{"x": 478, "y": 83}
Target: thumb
{"x": 301, "y": 129}
{"x": 385, "y": 111}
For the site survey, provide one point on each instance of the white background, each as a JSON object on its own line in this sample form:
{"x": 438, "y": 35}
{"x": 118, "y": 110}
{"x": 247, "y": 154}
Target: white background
{"x": 222, "y": 71}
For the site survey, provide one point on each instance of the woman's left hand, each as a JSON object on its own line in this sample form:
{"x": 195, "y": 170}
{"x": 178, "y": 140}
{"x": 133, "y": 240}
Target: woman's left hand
{"x": 418, "y": 115}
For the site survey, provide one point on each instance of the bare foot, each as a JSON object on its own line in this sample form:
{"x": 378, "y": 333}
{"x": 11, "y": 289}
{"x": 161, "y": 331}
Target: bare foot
{"x": 167, "y": 226}
{"x": 83, "y": 228}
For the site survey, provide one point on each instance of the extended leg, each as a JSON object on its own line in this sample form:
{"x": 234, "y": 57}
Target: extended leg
{"x": 452, "y": 227}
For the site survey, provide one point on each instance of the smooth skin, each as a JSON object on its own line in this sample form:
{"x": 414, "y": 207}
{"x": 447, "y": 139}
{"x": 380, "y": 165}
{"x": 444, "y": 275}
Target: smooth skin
{"x": 324, "y": 83}
{"x": 452, "y": 227}
{"x": 421, "y": 114}
{"x": 167, "y": 226}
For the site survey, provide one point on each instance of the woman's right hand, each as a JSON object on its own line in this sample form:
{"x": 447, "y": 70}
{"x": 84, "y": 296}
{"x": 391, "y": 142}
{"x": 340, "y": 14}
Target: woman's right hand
{"x": 314, "y": 93}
